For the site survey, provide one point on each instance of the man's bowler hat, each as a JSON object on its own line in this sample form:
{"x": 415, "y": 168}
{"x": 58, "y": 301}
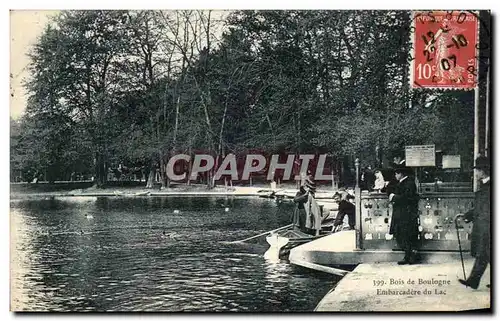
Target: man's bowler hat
{"x": 405, "y": 170}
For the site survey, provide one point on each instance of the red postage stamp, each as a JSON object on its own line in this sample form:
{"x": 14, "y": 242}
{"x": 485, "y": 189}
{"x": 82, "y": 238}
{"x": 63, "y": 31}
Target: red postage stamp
{"x": 445, "y": 49}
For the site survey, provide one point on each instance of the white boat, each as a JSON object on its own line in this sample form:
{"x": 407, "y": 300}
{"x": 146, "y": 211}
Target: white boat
{"x": 282, "y": 242}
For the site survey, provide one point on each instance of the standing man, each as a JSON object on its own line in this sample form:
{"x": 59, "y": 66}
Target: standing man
{"x": 344, "y": 208}
{"x": 369, "y": 178}
{"x": 404, "y": 223}
{"x": 362, "y": 180}
{"x": 480, "y": 215}
{"x": 299, "y": 217}
{"x": 310, "y": 183}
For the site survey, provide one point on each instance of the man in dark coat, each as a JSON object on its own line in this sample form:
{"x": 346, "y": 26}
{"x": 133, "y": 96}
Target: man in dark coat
{"x": 404, "y": 223}
{"x": 345, "y": 208}
{"x": 480, "y": 215}
{"x": 370, "y": 178}
{"x": 310, "y": 184}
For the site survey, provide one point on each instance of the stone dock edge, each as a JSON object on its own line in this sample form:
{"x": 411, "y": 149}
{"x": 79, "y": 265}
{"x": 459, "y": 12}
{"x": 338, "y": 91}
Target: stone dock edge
{"x": 389, "y": 287}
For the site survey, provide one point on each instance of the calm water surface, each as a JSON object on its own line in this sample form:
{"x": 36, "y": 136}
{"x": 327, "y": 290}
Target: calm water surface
{"x": 110, "y": 254}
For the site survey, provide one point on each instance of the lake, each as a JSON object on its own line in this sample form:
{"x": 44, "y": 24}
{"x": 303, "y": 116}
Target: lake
{"x": 154, "y": 254}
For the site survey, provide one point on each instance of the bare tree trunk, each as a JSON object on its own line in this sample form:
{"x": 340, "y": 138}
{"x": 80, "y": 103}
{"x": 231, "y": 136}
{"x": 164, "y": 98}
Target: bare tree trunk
{"x": 99, "y": 178}
{"x": 208, "y": 31}
{"x": 176, "y": 128}
{"x": 272, "y": 130}
{"x": 299, "y": 134}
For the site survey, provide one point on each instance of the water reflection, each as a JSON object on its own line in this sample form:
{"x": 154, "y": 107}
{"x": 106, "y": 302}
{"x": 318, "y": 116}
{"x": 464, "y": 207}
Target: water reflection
{"x": 124, "y": 260}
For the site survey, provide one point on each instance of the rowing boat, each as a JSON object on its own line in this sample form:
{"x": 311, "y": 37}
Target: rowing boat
{"x": 282, "y": 242}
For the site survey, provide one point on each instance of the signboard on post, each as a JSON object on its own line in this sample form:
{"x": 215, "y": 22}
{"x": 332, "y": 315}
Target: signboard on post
{"x": 451, "y": 161}
{"x": 420, "y": 155}
{"x": 444, "y": 49}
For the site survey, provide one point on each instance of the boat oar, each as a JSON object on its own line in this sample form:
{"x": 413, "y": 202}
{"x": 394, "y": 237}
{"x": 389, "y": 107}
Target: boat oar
{"x": 261, "y": 234}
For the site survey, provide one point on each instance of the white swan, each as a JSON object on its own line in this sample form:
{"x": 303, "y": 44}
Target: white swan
{"x": 170, "y": 236}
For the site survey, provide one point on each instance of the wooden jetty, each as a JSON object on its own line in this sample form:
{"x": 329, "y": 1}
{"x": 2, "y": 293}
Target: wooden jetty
{"x": 340, "y": 249}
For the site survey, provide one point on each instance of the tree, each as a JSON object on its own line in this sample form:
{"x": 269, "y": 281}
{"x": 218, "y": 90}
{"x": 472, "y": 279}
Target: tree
{"x": 140, "y": 86}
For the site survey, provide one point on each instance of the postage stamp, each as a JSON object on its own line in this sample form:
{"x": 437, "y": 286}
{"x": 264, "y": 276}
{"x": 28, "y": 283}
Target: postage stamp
{"x": 250, "y": 161}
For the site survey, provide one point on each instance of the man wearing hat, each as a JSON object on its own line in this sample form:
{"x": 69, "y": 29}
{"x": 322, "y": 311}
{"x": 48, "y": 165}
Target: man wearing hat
{"x": 404, "y": 222}
{"x": 344, "y": 208}
{"x": 480, "y": 215}
{"x": 310, "y": 184}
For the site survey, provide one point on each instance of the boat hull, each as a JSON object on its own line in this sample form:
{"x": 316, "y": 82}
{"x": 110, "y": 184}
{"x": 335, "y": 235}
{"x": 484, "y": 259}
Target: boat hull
{"x": 282, "y": 242}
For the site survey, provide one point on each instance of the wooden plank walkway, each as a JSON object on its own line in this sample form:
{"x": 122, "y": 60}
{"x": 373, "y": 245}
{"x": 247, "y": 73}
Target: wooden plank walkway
{"x": 419, "y": 287}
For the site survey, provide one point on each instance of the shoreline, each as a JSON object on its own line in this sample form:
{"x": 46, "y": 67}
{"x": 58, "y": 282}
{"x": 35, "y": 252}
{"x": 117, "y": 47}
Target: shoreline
{"x": 137, "y": 192}
{"x": 388, "y": 287}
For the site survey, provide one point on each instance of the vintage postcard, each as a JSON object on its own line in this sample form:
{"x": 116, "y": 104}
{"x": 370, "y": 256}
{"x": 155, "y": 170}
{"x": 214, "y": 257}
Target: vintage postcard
{"x": 250, "y": 160}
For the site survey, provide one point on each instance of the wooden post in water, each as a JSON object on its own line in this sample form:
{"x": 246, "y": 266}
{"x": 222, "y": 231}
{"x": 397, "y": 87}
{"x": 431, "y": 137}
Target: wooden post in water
{"x": 475, "y": 183}
{"x": 476, "y": 134}
{"x": 357, "y": 198}
{"x": 487, "y": 118}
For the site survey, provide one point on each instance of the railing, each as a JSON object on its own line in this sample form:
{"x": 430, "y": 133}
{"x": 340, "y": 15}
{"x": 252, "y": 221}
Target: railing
{"x": 437, "y": 231}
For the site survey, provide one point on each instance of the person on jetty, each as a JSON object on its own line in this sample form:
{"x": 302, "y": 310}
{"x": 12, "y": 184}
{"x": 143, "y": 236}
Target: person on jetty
{"x": 369, "y": 178}
{"x": 380, "y": 182}
{"x": 404, "y": 223}
{"x": 310, "y": 185}
{"x": 344, "y": 208}
{"x": 308, "y": 216}
{"x": 480, "y": 215}
{"x": 362, "y": 179}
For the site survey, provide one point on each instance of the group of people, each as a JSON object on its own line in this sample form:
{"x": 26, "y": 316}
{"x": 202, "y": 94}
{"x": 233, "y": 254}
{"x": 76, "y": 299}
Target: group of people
{"x": 367, "y": 178}
{"x": 402, "y": 193}
{"x": 404, "y": 222}
{"x": 373, "y": 180}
